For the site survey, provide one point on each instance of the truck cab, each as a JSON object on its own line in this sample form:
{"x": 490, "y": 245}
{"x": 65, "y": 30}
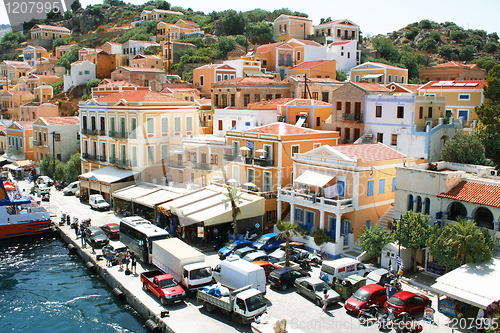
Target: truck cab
{"x": 249, "y": 304}
{"x": 196, "y": 275}
{"x": 163, "y": 286}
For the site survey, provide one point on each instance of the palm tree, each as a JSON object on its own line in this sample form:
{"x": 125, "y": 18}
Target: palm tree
{"x": 233, "y": 198}
{"x": 287, "y": 229}
{"x": 466, "y": 238}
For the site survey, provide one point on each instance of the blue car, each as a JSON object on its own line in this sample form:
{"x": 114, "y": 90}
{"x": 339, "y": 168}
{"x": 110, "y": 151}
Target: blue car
{"x": 233, "y": 246}
{"x": 267, "y": 242}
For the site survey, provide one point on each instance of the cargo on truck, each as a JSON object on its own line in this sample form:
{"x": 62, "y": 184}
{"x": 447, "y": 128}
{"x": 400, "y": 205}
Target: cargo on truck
{"x": 243, "y": 304}
{"x": 237, "y": 273}
{"x": 185, "y": 263}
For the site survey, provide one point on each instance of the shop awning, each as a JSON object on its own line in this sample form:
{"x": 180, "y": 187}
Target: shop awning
{"x": 471, "y": 284}
{"x": 10, "y": 167}
{"x": 256, "y": 73}
{"x": 108, "y": 175}
{"x": 371, "y": 76}
{"x": 313, "y": 178}
{"x": 206, "y": 206}
{"x": 26, "y": 164}
{"x": 135, "y": 191}
{"x": 153, "y": 199}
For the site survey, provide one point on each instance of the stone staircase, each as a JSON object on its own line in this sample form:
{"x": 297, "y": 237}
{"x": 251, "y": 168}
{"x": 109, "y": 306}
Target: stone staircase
{"x": 384, "y": 221}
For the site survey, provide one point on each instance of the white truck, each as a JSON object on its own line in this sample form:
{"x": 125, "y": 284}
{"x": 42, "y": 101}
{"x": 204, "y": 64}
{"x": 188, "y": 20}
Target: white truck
{"x": 237, "y": 273}
{"x": 243, "y": 304}
{"x": 185, "y": 263}
{"x": 96, "y": 201}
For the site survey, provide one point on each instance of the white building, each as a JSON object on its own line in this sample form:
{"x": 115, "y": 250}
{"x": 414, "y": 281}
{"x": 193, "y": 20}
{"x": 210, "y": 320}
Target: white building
{"x": 345, "y": 53}
{"x": 338, "y": 30}
{"x": 240, "y": 119}
{"x": 81, "y": 72}
{"x": 245, "y": 67}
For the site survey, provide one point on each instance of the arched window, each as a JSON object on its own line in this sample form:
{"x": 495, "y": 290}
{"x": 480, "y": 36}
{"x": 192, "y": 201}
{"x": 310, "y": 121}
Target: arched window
{"x": 419, "y": 204}
{"x": 484, "y": 218}
{"x": 409, "y": 204}
{"x": 456, "y": 210}
{"x": 427, "y": 206}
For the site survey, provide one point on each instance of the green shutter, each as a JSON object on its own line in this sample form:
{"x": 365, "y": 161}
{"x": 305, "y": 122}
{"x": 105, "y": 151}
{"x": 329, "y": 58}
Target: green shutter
{"x": 189, "y": 124}
{"x": 164, "y": 125}
{"x": 177, "y": 124}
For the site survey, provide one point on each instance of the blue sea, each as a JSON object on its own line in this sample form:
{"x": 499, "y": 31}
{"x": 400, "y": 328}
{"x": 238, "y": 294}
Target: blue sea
{"x": 45, "y": 289}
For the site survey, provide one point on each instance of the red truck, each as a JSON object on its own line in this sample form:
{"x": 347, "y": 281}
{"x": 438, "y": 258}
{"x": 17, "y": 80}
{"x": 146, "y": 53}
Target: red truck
{"x": 164, "y": 286}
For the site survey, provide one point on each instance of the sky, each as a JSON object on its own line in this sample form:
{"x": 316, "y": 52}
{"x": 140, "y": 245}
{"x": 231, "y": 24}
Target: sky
{"x": 373, "y": 16}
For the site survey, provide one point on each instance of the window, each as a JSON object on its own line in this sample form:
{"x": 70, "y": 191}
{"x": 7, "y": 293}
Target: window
{"x": 233, "y": 99}
{"x": 177, "y": 124}
{"x": 381, "y": 186}
{"x": 357, "y": 78}
{"x": 202, "y": 80}
{"x": 246, "y": 99}
{"x": 368, "y": 224}
{"x": 214, "y": 159}
{"x": 464, "y": 97}
{"x": 464, "y": 114}
{"x": 220, "y": 125}
{"x": 380, "y": 137}
{"x": 164, "y": 125}
{"x": 402, "y": 79}
{"x": 421, "y": 113}
{"x": 324, "y": 95}
{"x": 267, "y": 181}
{"x": 86, "y": 72}
{"x": 395, "y": 78}
{"x": 277, "y": 96}
{"x": 390, "y": 78}
{"x": 315, "y": 95}
{"x": 150, "y": 125}
{"x": 151, "y": 153}
{"x": 295, "y": 150}
{"x": 257, "y": 97}
{"x": 219, "y": 77}
{"x": 164, "y": 152}
{"x": 269, "y": 97}
{"x": 378, "y": 111}
{"x": 189, "y": 124}
{"x": 370, "y": 188}
{"x": 394, "y": 140}
{"x": 429, "y": 112}
{"x": 251, "y": 175}
{"x": 401, "y": 112}
{"x": 216, "y": 100}
{"x": 299, "y": 215}
{"x": 393, "y": 184}
{"x": 298, "y": 55}
{"x": 226, "y": 77}
{"x": 339, "y": 105}
{"x": 318, "y": 121}
{"x": 347, "y": 133}
{"x": 80, "y": 73}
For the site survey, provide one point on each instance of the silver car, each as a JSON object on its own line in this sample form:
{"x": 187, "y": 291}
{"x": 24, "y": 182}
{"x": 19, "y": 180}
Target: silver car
{"x": 313, "y": 289}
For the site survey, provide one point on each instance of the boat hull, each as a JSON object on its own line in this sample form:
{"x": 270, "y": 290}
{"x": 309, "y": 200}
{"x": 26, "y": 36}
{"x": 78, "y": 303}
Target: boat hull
{"x": 24, "y": 229}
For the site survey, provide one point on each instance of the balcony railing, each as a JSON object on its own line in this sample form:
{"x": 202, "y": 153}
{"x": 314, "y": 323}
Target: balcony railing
{"x": 262, "y": 162}
{"x": 201, "y": 166}
{"x": 87, "y": 131}
{"x": 120, "y": 162}
{"x": 306, "y": 199}
{"x": 353, "y": 117}
{"x": 119, "y": 135}
{"x": 37, "y": 143}
{"x": 176, "y": 164}
{"x": 14, "y": 150}
{"x": 204, "y": 124}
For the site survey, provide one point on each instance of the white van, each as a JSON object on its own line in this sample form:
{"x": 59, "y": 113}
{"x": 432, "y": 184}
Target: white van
{"x": 71, "y": 188}
{"x": 96, "y": 201}
{"x": 237, "y": 273}
{"x": 341, "y": 268}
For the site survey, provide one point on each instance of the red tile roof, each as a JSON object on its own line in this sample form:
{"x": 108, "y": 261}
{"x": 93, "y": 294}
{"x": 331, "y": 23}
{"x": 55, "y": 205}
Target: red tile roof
{"x": 267, "y": 47}
{"x": 141, "y": 69}
{"x": 456, "y": 64}
{"x": 22, "y": 92}
{"x": 410, "y": 87}
{"x": 248, "y": 79}
{"x": 369, "y": 152}
{"x": 371, "y": 86}
{"x": 109, "y": 83}
{"x": 477, "y": 193}
{"x": 25, "y": 124}
{"x": 204, "y": 101}
{"x": 307, "y": 42}
{"x": 51, "y": 27}
{"x": 188, "y": 22}
{"x": 382, "y": 64}
{"x": 139, "y": 96}
{"x": 277, "y": 101}
{"x": 62, "y": 120}
{"x": 282, "y": 129}
{"x": 310, "y": 64}
{"x": 340, "y": 43}
{"x": 480, "y": 85}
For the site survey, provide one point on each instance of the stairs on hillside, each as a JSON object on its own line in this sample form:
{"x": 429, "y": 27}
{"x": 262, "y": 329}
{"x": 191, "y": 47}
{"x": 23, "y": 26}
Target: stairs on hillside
{"x": 388, "y": 216}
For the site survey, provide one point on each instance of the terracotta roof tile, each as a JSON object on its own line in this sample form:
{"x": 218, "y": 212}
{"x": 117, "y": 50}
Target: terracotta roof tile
{"x": 109, "y": 83}
{"x": 141, "y": 69}
{"x": 340, "y": 43}
{"x": 62, "y": 120}
{"x": 282, "y": 129}
{"x": 22, "y": 92}
{"x": 310, "y": 64}
{"x": 369, "y": 152}
{"x": 480, "y": 85}
{"x": 381, "y": 64}
{"x": 248, "y": 79}
{"x": 455, "y": 64}
{"x": 139, "y": 96}
{"x": 25, "y": 124}
{"x": 204, "y": 101}
{"x": 371, "y": 86}
{"x": 477, "y": 193}
{"x": 410, "y": 87}
{"x": 52, "y": 27}
{"x": 306, "y": 42}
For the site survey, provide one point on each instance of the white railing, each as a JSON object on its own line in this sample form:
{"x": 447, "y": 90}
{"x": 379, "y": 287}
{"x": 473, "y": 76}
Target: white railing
{"x": 322, "y": 201}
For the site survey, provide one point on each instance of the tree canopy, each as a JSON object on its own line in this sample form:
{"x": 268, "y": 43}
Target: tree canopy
{"x": 413, "y": 230}
{"x": 467, "y": 149}
{"x": 12, "y": 39}
{"x": 373, "y": 240}
{"x": 68, "y": 58}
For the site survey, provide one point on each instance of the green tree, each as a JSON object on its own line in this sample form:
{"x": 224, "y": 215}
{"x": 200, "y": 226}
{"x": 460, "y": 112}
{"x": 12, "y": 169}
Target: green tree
{"x": 54, "y": 15}
{"x": 446, "y": 51}
{"x": 373, "y": 240}
{"x": 233, "y": 199}
{"x": 428, "y": 45}
{"x": 57, "y": 87}
{"x": 68, "y": 58}
{"x": 162, "y": 4}
{"x": 492, "y": 89}
{"x": 436, "y": 35}
{"x": 45, "y": 166}
{"x": 225, "y": 44}
{"x": 466, "y": 149}
{"x": 412, "y": 231}
{"x": 467, "y": 53}
{"x": 92, "y": 83}
{"x": 458, "y": 35}
{"x": 486, "y": 62}
{"x": 76, "y": 5}
{"x": 260, "y": 32}
{"x": 412, "y": 33}
{"x": 60, "y": 170}
{"x": 60, "y": 41}
{"x": 73, "y": 168}
{"x": 287, "y": 230}
{"x": 323, "y": 20}
{"x": 493, "y": 37}
{"x": 491, "y": 47}
{"x": 234, "y": 23}
{"x": 425, "y": 24}
{"x": 386, "y": 48}
{"x": 68, "y": 15}
{"x": 242, "y": 40}
{"x": 341, "y": 75}
{"x": 115, "y": 2}
{"x": 258, "y": 15}
{"x": 12, "y": 39}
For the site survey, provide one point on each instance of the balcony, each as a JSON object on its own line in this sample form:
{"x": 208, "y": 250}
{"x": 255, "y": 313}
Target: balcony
{"x": 87, "y": 131}
{"x": 231, "y": 157}
{"x": 14, "y": 150}
{"x": 120, "y": 162}
{"x": 358, "y": 117}
{"x": 37, "y": 143}
{"x": 176, "y": 164}
{"x": 118, "y": 135}
{"x": 201, "y": 166}
{"x": 321, "y": 203}
{"x": 93, "y": 157}
{"x": 263, "y": 162}
{"x": 204, "y": 123}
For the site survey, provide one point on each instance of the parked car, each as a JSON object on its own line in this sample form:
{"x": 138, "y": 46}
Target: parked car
{"x": 45, "y": 180}
{"x": 95, "y": 236}
{"x": 163, "y": 286}
{"x": 112, "y": 230}
{"x": 279, "y": 255}
{"x": 406, "y": 301}
{"x": 232, "y": 246}
{"x": 72, "y": 188}
{"x": 42, "y": 189}
{"x": 267, "y": 242}
{"x": 115, "y": 248}
{"x": 268, "y": 267}
{"x": 313, "y": 289}
{"x": 366, "y": 296}
{"x": 243, "y": 251}
{"x": 255, "y": 256}
{"x": 379, "y": 276}
{"x": 96, "y": 201}
{"x": 285, "y": 277}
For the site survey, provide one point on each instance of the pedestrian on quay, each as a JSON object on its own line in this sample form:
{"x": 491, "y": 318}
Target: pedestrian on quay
{"x": 121, "y": 255}
{"x": 108, "y": 259}
{"x": 133, "y": 259}
{"x": 74, "y": 226}
{"x": 84, "y": 241}
{"x": 325, "y": 299}
{"x": 127, "y": 260}
{"x": 68, "y": 219}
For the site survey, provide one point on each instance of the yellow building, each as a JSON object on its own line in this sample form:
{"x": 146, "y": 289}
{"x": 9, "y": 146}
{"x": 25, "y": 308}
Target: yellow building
{"x": 206, "y": 114}
{"x": 378, "y": 72}
{"x": 286, "y": 27}
{"x": 42, "y": 31}
{"x": 321, "y": 68}
{"x": 31, "y": 54}
{"x": 12, "y": 101}
{"x": 20, "y": 140}
{"x": 461, "y": 98}
{"x": 337, "y": 30}
{"x": 342, "y": 189}
{"x": 132, "y": 130}
{"x": 205, "y": 75}
{"x": 63, "y": 49}
{"x": 146, "y": 61}
{"x": 261, "y": 158}
{"x": 14, "y": 70}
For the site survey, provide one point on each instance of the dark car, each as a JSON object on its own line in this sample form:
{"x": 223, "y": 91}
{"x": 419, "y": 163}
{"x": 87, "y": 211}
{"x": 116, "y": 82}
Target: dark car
{"x": 379, "y": 276}
{"x": 95, "y": 237}
{"x": 285, "y": 277}
{"x": 114, "y": 248}
{"x": 243, "y": 251}
{"x": 366, "y": 296}
{"x": 406, "y": 301}
{"x": 233, "y": 246}
{"x": 112, "y": 230}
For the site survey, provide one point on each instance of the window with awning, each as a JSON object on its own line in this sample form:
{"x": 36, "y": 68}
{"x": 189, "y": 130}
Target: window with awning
{"x": 371, "y": 76}
{"x": 313, "y": 178}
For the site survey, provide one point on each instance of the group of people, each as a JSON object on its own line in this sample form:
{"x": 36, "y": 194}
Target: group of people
{"x": 130, "y": 258}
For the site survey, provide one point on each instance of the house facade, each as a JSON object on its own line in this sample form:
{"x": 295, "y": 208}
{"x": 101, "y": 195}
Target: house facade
{"x": 228, "y": 119}
{"x": 321, "y": 68}
{"x": 20, "y": 139}
{"x": 104, "y": 63}
{"x": 14, "y": 70}
{"x": 55, "y": 135}
{"x": 451, "y": 71}
{"x": 80, "y": 73}
{"x": 345, "y": 53}
{"x": 61, "y": 50}
{"x": 33, "y": 53}
{"x": 50, "y": 32}
{"x": 337, "y": 31}
{"x": 286, "y": 27}
{"x": 205, "y": 75}
{"x": 12, "y": 102}
{"x": 153, "y": 78}
{"x": 170, "y": 51}
{"x": 112, "y": 48}
{"x": 146, "y": 61}
{"x": 377, "y": 72}
{"x": 33, "y": 110}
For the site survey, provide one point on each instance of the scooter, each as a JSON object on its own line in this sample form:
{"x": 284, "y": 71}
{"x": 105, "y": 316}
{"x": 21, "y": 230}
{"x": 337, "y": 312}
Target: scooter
{"x": 369, "y": 315}
{"x": 249, "y": 236}
{"x": 389, "y": 321}
{"x": 305, "y": 263}
{"x": 316, "y": 258}
{"x": 63, "y": 219}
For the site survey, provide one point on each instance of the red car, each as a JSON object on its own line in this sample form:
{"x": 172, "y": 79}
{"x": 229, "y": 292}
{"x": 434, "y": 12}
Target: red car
{"x": 112, "y": 230}
{"x": 268, "y": 267}
{"x": 406, "y": 301}
{"x": 366, "y": 296}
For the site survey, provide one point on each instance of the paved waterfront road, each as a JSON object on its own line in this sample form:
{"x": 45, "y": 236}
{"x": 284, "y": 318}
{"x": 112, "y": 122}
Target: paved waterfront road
{"x": 299, "y": 311}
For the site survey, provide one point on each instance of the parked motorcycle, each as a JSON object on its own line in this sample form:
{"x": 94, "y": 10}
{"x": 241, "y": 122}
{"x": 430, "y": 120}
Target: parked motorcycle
{"x": 305, "y": 263}
{"x": 316, "y": 258}
{"x": 389, "y": 321}
{"x": 250, "y": 236}
{"x": 60, "y": 186}
{"x": 368, "y": 316}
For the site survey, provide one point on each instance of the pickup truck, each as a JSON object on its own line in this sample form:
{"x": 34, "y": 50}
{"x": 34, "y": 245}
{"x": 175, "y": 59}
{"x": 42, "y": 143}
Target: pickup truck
{"x": 243, "y": 304}
{"x": 163, "y": 286}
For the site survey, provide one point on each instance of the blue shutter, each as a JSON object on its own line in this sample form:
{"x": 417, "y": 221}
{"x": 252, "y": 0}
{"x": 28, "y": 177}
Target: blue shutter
{"x": 370, "y": 188}
{"x": 393, "y": 184}
{"x": 288, "y": 59}
{"x": 381, "y": 186}
{"x": 463, "y": 113}
{"x": 369, "y": 224}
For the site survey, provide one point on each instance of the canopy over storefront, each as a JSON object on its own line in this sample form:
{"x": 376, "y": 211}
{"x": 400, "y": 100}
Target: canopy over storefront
{"x": 153, "y": 199}
{"x": 25, "y": 164}
{"x": 206, "y": 206}
{"x": 473, "y": 284}
{"x": 313, "y": 178}
{"x": 107, "y": 179}
{"x": 135, "y": 191}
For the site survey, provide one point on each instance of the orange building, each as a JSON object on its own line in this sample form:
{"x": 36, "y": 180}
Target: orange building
{"x": 104, "y": 63}
{"x": 63, "y": 49}
{"x": 287, "y": 27}
{"x": 188, "y": 94}
{"x": 205, "y": 75}
{"x": 146, "y": 61}
{"x": 206, "y": 115}
{"x": 261, "y": 158}
{"x": 321, "y": 68}
{"x": 12, "y": 101}
{"x": 20, "y": 140}
{"x": 37, "y": 80}
{"x": 32, "y": 54}
{"x": 451, "y": 71}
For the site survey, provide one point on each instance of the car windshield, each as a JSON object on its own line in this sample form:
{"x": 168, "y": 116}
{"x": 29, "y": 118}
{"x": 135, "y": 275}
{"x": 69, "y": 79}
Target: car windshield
{"x": 374, "y": 276}
{"x": 201, "y": 273}
{"x": 361, "y": 295}
{"x": 168, "y": 283}
{"x": 99, "y": 233}
{"x": 320, "y": 287}
{"x": 396, "y": 301}
{"x": 262, "y": 240}
{"x": 255, "y": 302}
{"x": 230, "y": 246}
{"x": 114, "y": 228}
{"x": 101, "y": 201}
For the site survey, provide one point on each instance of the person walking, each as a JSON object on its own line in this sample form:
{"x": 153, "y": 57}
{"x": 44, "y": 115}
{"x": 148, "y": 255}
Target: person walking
{"x": 121, "y": 255}
{"x": 84, "y": 241}
{"x": 75, "y": 226}
{"x": 133, "y": 259}
{"x": 108, "y": 259}
{"x": 127, "y": 260}
{"x": 325, "y": 299}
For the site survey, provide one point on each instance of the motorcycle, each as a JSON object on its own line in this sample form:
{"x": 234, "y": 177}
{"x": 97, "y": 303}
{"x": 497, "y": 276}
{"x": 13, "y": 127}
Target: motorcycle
{"x": 249, "y": 236}
{"x": 369, "y": 315}
{"x": 305, "y": 263}
{"x": 389, "y": 321}
{"x": 60, "y": 186}
{"x": 84, "y": 224}
{"x": 316, "y": 258}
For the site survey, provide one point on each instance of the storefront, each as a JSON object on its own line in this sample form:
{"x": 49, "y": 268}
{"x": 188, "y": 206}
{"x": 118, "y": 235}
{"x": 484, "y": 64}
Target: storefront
{"x": 105, "y": 181}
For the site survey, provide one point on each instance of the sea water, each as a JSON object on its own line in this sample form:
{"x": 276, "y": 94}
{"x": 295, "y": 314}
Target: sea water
{"x": 45, "y": 289}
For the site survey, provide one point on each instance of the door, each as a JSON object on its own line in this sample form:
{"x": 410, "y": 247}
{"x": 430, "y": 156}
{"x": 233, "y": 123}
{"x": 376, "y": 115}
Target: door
{"x": 133, "y": 126}
{"x": 357, "y": 111}
{"x": 309, "y": 220}
{"x": 341, "y": 188}
{"x": 333, "y": 227}
{"x": 122, "y": 153}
